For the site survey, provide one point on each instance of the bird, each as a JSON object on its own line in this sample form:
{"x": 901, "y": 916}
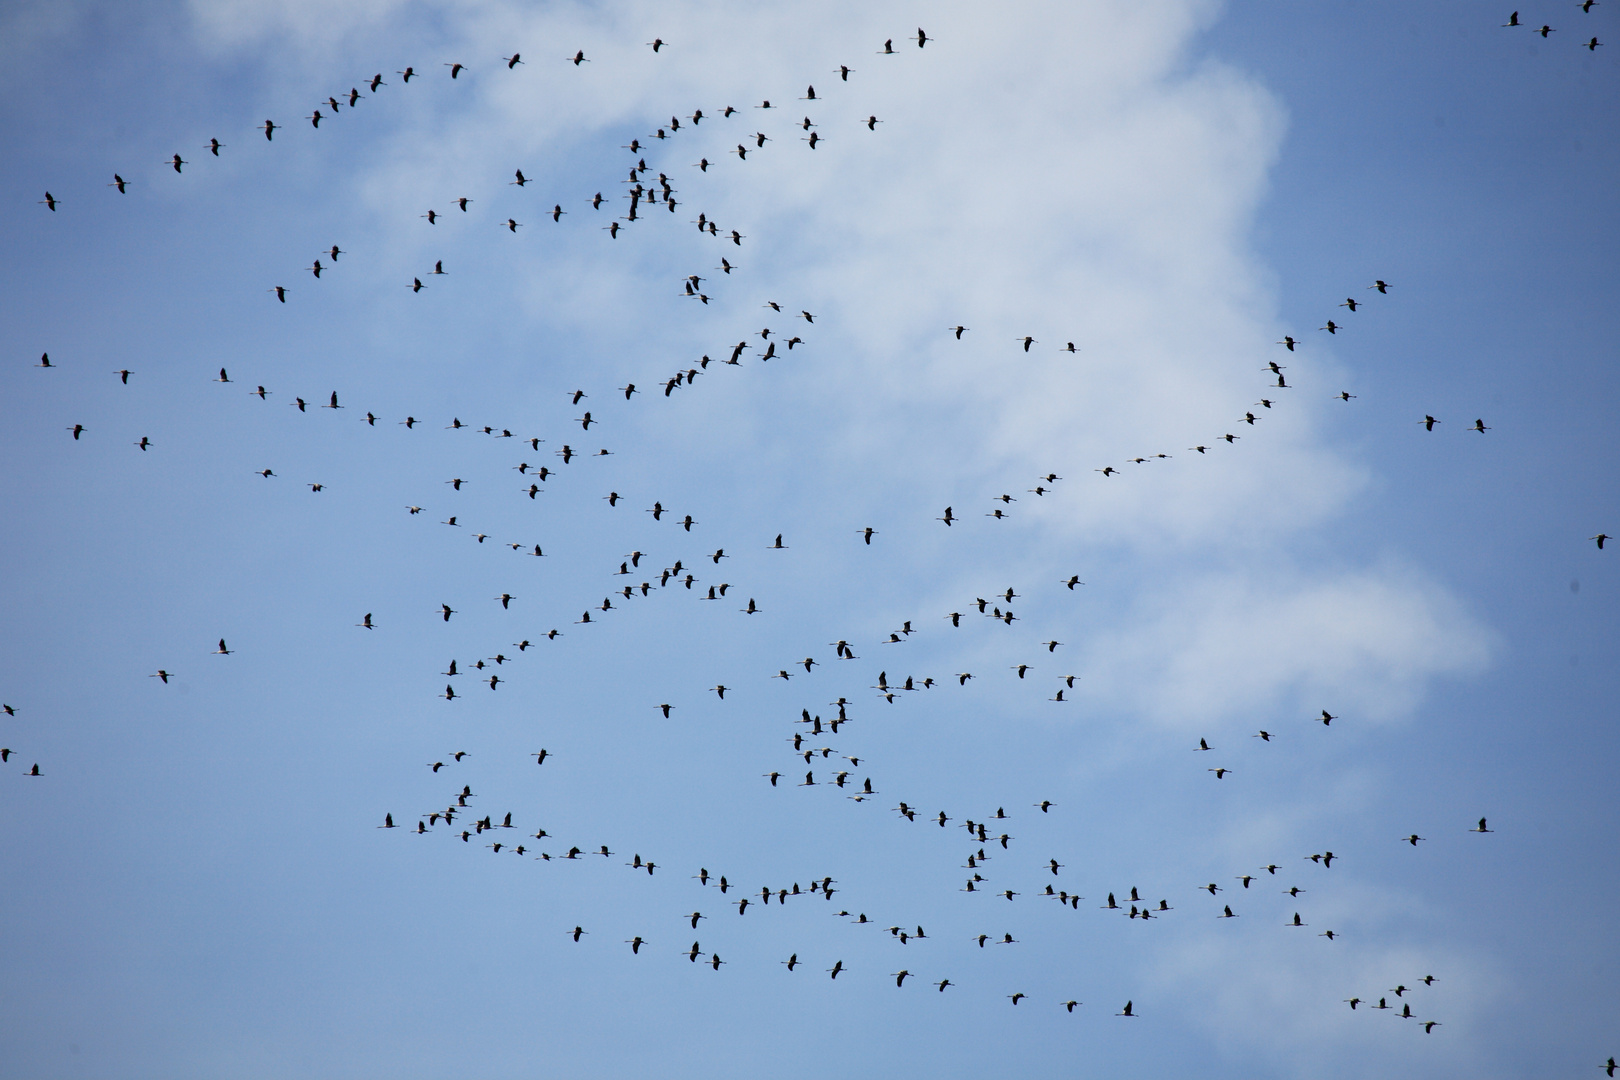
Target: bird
{"x": 1126, "y": 1011}
{"x": 222, "y": 650}
{"x": 1513, "y": 20}
{"x": 457, "y": 69}
{"x": 1480, "y": 828}
{"x": 1601, "y": 538}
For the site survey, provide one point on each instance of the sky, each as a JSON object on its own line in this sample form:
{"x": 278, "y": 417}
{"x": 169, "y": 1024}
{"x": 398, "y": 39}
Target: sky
{"x": 198, "y": 882}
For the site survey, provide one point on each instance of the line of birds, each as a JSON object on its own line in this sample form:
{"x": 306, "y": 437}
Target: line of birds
{"x": 1544, "y": 30}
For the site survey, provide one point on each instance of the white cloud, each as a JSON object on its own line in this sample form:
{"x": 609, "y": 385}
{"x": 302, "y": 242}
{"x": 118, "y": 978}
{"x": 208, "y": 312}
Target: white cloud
{"x": 1363, "y": 643}
{"x": 1064, "y": 171}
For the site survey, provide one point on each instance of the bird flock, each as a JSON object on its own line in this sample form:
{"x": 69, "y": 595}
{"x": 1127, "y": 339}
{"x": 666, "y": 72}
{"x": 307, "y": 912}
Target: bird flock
{"x": 819, "y": 757}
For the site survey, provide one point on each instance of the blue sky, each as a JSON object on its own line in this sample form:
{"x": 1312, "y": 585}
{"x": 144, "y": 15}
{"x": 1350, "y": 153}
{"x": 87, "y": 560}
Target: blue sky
{"x": 196, "y": 884}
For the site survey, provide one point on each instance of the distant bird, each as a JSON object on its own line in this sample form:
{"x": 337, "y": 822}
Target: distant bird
{"x": 1289, "y": 343}
{"x": 1479, "y": 426}
{"x": 578, "y": 58}
{"x": 270, "y": 130}
{"x": 222, "y": 650}
{"x": 457, "y": 69}
{"x": 1513, "y": 20}
{"x": 1480, "y": 828}
{"x": 1600, "y": 538}
{"x": 1126, "y": 1011}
